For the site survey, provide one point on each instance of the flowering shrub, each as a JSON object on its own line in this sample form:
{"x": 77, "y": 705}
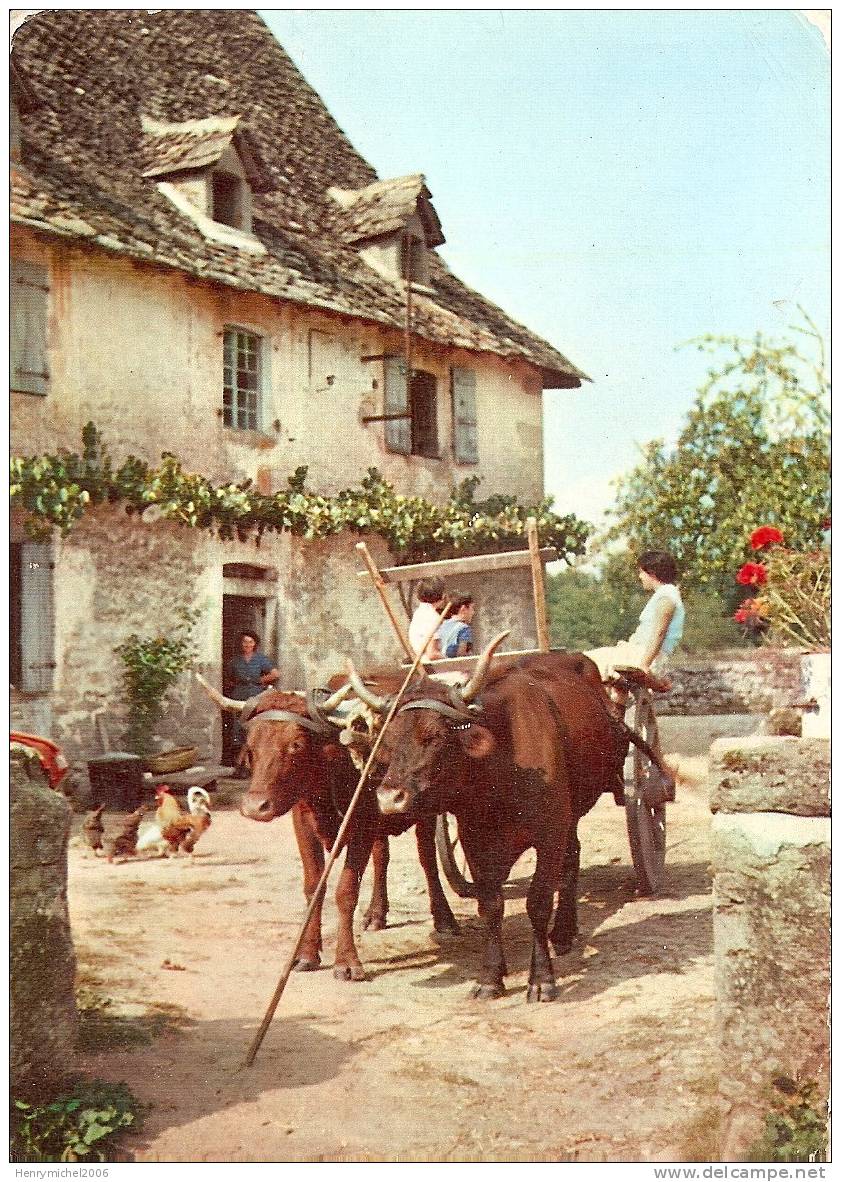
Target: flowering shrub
{"x": 792, "y": 608}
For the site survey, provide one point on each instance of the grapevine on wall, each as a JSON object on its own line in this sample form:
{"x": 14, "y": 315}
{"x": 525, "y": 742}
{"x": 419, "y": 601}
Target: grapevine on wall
{"x": 56, "y": 491}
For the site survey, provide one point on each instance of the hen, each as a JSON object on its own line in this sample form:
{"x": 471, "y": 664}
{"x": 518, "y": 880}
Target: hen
{"x": 93, "y": 829}
{"x": 124, "y": 844}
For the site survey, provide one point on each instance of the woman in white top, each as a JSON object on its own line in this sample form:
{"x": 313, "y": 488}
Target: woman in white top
{"x": 660, "y": 624}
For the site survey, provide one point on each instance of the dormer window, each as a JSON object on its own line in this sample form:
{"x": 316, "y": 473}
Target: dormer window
{"x": 209, "y": 170}
{"x": 393, "y": 225}
{"x": 227, "y": 199}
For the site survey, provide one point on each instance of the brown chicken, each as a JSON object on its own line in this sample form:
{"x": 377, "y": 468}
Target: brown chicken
{"x": 93, "y": 829}
{"x": 124, "y": 844}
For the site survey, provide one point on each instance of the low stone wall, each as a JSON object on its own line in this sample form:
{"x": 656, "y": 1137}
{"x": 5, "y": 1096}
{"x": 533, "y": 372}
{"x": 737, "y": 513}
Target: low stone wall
{"x": 771, "y": 864}
{"x": 43, "y": 963}
{"x": 745, "y": 681}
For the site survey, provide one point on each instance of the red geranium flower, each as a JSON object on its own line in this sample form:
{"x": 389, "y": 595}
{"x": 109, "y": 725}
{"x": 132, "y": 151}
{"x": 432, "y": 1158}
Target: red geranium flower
{"x": 748, "y": 612}
{"x": 752, "y": 574}
{"x": 766, "y": 535}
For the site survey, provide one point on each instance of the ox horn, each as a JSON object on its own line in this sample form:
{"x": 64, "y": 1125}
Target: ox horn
{"x": 361, "y": 690}
{"x": 335, "y": 699}
{"x": 474, "y": 685}
{"x": 221, "y": 701}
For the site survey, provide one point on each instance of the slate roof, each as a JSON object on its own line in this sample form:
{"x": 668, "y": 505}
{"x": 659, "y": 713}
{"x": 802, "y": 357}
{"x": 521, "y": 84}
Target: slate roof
{"x": 97, "y": 73}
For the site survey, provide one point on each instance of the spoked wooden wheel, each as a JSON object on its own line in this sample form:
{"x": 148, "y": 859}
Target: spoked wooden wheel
{"x": 452, "y": 858}
{"x": 646, "y": 821}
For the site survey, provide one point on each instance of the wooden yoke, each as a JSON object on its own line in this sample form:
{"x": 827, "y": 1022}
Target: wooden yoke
{"x": 534, "y": 558}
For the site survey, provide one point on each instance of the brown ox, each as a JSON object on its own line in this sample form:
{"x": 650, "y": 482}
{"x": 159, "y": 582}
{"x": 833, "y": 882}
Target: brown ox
{"x": 518, "y": 770}
{"x": 298, "y": 764}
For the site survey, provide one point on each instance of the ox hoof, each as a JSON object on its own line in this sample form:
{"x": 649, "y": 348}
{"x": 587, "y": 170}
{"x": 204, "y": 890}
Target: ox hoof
{"x": 349, "y": 972}
{"x": 542, "y": 991}
{"x": 374, "y": 923}
{"x": 563, "y": 944}
{"x": 487, "y": 992}
{"x": 446, "y": 931}
{"x": 302, "y": 965}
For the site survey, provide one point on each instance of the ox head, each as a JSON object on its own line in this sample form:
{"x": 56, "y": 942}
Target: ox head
{"x": 423, "y": 747}
{"x": 291, "y": 745}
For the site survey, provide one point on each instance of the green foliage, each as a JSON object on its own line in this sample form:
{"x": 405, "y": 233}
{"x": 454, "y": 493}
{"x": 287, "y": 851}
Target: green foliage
{"x": 795, "y": 602}
{"x": 754, "y": 450}
{"x": 57, "y": 490}
{"x": 709, "y": 623}
{"x": 81, "y": 1125}
{"x": 796, "y": 1128}
{"x": 151, "y": 666}
{"x": 586, "y": 611}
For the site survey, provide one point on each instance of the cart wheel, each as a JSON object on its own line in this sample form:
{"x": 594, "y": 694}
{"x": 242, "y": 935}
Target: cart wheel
{"x": 646, "y": 822}
{"x": 451, "y": 855}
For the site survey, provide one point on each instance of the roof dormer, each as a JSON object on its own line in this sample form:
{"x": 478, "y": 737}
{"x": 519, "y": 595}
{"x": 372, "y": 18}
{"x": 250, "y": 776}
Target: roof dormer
{"x": 393, "y": 224}
{"x": 209, "y": 170}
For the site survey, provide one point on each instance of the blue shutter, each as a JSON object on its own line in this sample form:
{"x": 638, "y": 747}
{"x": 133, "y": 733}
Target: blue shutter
{"x": 36, "y": 625}
{"x": 465, "y": 446}
{"x": 398, "y": 432}
{"x": 29, "y": 296}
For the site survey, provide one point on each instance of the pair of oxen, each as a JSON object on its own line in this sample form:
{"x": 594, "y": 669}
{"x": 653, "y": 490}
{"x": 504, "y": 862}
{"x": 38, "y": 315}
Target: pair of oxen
{"x": 518, "y": 754}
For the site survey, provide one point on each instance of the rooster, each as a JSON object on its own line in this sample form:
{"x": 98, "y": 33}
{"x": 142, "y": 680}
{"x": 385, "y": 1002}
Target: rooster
{"x": 124, "y": 844}
{"x": 167, "y": 812}
{"x": 93, "y": 829}
{"x": 174, "y": 830}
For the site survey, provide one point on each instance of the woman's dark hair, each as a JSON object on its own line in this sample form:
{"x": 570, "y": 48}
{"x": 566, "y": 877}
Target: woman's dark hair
{"x": 659, "y": 564}
{"x": 430, "y": 590}
{"x": 253, "y": 636}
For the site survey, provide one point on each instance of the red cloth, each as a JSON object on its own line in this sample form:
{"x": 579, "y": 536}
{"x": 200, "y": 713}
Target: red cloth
{"x": 50, "y": 754}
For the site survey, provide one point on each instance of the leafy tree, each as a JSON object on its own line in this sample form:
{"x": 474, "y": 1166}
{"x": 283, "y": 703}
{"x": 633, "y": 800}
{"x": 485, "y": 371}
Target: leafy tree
{"x": 754, "y": 450}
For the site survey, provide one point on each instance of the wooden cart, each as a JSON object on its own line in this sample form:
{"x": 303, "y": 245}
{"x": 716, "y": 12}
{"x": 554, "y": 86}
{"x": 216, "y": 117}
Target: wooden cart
{"x": 645, "y": 814}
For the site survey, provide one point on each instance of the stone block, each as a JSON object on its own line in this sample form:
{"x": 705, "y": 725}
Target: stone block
{"x": 771, "y": 935}
{"x": 770, "y": 773}
{"x": 43, "y": 963}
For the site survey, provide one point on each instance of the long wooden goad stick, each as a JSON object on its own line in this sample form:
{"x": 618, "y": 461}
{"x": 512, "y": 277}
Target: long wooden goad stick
{"x": 334, "y": 853}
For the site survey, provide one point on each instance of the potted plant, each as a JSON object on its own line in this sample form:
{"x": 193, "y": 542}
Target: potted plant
{"x": 791, "y": 609}
{"x": 151, "y": 666}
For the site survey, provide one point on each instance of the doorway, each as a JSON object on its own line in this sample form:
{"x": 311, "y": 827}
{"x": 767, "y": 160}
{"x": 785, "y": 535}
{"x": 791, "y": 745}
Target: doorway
{"x": 240, "y": 613}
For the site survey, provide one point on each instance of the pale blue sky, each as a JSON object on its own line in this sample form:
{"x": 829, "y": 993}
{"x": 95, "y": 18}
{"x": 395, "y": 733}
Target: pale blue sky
{"x": 619, "y": 181}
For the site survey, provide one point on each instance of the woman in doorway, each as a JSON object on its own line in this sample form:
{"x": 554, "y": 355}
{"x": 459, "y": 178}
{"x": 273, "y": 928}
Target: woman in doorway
{"x": 251, "y": 672}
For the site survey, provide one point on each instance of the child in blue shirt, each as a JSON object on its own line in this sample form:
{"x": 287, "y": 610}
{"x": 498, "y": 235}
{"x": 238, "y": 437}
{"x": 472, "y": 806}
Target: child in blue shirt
{"x": 455, "y": 634}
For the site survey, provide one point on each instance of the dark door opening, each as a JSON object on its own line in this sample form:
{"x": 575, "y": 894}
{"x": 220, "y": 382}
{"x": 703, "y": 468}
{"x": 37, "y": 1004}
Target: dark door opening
{"x": 239, "y": 612}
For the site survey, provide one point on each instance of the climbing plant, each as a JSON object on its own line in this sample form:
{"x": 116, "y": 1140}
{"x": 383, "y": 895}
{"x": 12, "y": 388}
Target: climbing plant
{"x": 56, "y": 491}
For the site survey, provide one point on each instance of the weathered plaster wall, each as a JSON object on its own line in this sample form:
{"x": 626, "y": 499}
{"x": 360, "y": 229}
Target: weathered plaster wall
{"x": 139, "y": 351}
{"x": 771, "y": 864}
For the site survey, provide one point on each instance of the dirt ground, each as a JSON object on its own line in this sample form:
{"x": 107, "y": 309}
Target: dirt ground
{"x": 178, "y": 959}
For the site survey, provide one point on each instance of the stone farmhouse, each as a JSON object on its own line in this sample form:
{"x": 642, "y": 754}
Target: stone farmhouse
{"x": 203, "y": 264}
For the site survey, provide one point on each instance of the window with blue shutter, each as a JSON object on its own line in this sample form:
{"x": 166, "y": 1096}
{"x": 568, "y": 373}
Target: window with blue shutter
{"x": 32, "y": 643}
{"x": 465, "y": 446}
{"x": 398, "y": 431}
{"x": 30, "y": 289}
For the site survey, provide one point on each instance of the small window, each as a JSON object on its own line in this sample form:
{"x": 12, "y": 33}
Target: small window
{"x": 242, "y": 380}
{"x": 227, "y": 199}
{"x": 411, "y": 425}
{"x": 424, "y": 406}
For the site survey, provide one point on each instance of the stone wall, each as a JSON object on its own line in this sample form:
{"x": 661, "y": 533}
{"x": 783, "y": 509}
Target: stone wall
{"x": 43, "y": 963}
{"x": 771, "y": 863}
{"x": 745, "y": 681}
